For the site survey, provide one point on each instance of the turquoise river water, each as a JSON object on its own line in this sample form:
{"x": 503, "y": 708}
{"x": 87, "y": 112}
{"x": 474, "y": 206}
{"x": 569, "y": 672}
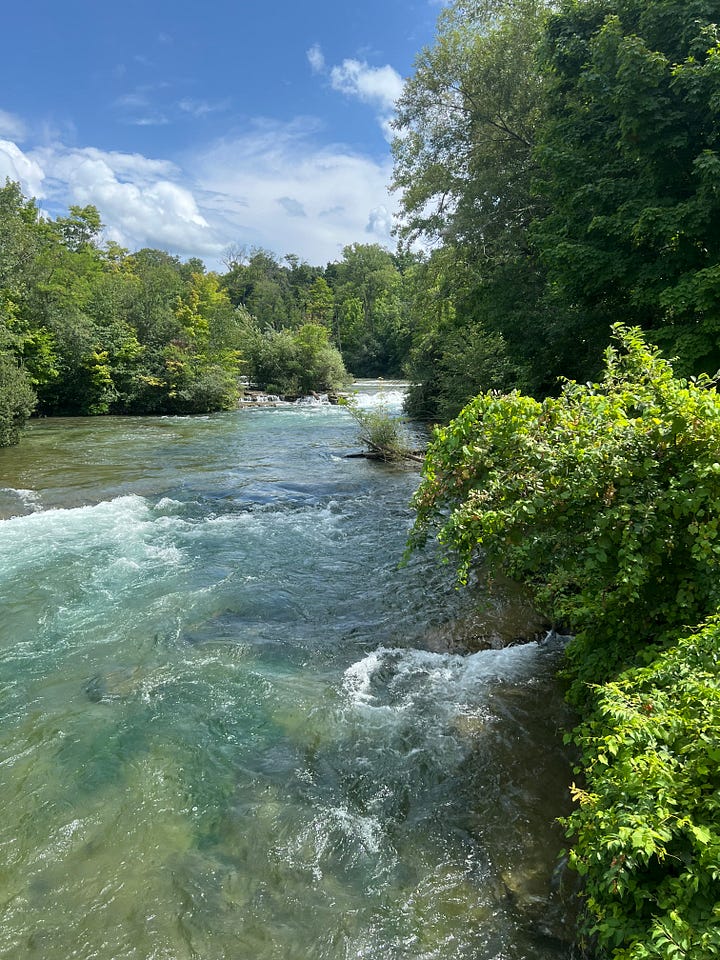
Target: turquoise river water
{"x": 232, "y": 726}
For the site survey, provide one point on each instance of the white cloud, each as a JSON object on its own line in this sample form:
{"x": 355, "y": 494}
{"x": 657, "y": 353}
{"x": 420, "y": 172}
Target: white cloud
{"x": 140, "y": 200}
{"x": 133, "y": 101}
{"x": 380, "y": 222}
{"x": 316, "y": 58}
{"x": 277, "y": 186}
{"x": 380, "y": 86}
{"x": 201, "y": 108}
{"x": 151, "y": 120}
{"x": 11, "y": 126}
{"x": 258, "y": 184}
{"x": 21, "y": 168}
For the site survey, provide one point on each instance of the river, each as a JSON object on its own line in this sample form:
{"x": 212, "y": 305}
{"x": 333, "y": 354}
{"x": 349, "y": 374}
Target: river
{"x": 233, "y": 726}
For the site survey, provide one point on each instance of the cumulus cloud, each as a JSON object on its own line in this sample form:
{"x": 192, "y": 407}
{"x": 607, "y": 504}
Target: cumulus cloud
{"x": 379, "y": 87}
{"x": 259, "y": 183}
{"x": 142, "y": 201}
{"x": 21, "y": 168}
{"x": 276, "y": 186}
{"x": 380, "y": 222}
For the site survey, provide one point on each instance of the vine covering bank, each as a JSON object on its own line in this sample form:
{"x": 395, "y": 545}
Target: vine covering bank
{"x": 606, "y": 502}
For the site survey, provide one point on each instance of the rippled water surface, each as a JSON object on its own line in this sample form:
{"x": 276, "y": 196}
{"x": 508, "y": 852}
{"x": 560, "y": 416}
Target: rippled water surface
{"x": 229, "y": 728}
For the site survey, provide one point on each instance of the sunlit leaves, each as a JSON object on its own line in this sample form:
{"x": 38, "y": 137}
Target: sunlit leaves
{"x": 606, "y": 501}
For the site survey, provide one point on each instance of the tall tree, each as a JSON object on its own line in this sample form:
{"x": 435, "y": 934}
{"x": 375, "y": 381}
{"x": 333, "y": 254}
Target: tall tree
{"x": 630, "y": 158}
{"x": 467, "y": 123}
{"x": 467, "y": 126}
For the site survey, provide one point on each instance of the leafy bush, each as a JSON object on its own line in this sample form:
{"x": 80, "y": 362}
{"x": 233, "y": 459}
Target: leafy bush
{"x": 606, "y": 500}
{"x": 286, "y": 362}
{"x": 383, "y": 434}
{"x": 647, "y": 830}
{"x": 17, "y": 400}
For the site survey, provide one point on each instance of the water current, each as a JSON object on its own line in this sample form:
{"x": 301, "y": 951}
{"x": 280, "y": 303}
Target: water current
{"x": 233, "y": 726}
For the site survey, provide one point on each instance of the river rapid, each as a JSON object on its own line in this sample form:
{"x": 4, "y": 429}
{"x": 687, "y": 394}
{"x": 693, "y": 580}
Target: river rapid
{"x": 233, "y": 727}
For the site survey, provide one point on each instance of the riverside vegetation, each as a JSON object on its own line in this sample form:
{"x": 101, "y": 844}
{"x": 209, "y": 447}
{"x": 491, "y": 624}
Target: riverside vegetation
{"x": 563, "y": 158}
{"x": 605, "y": 501}
{"x": 561, "y": 163}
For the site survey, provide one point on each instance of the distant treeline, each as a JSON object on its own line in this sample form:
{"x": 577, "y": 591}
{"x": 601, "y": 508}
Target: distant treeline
{"x": 87, "y": 327}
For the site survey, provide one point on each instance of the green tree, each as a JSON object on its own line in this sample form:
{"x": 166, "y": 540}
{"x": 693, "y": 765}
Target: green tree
{"x": 630, "y": 170}
{"x": 17, "y": 400}
{"x": 468, "y": 123}
{"x": 319, "y": 303}
{"x": 294, "y": 363}
{"x": 371, "y": 322}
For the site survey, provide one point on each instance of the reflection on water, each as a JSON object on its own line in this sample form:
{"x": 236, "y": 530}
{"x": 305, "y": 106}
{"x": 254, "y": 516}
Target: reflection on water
{"x": 223, "y": 733}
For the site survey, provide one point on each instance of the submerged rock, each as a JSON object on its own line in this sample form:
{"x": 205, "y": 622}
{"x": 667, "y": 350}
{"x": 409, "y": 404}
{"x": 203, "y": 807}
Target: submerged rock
{"x": 114, "y": 685}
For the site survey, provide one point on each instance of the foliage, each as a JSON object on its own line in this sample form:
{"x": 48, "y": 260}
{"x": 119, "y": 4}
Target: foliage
{"x": 94, "y": 330}
{"x": 630, "y": 171}
{"x": 466, "y": 122}
{"x": 287, "y": 363}
{"x": 360, "y": 299}
{"x": 371, "y": 326}
{"x": 381, "y": 432}
{"x": 561, "y": 160}
{"x": 17, "y": 400}
{"x": 605, "y": 500}
{"x": 647, "y": 828}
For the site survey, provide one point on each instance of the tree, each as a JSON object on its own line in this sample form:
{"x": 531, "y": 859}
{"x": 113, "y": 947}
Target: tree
{"x": 467, "y": 126}
{"x": 467, "y": 123}
{"x": 631, "y": 172}
{"x": 371, "y": 322}
{"x": 17, "y": 400}
{"x": 319, "y": 303}
{"x": 81, "y": 229}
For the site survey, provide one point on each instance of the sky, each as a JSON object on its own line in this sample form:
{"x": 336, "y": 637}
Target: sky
{"x": 202, "y": 127}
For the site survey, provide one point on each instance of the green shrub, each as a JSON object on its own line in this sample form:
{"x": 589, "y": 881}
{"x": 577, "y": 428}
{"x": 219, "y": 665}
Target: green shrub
{"x": 383, "y": 434}
{"x": 605, "y": 500}
{"x": 17, "y": 400}
{"x": 647, "y": 830}
{"x": 300, "y": 362}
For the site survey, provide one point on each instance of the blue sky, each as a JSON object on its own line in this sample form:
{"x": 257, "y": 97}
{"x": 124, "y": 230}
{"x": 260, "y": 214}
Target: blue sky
{"x": 195, "y": 127}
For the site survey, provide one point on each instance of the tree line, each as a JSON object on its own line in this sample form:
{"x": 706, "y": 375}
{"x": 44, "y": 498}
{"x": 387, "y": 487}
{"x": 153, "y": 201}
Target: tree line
{"x": 87, "y": 327}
